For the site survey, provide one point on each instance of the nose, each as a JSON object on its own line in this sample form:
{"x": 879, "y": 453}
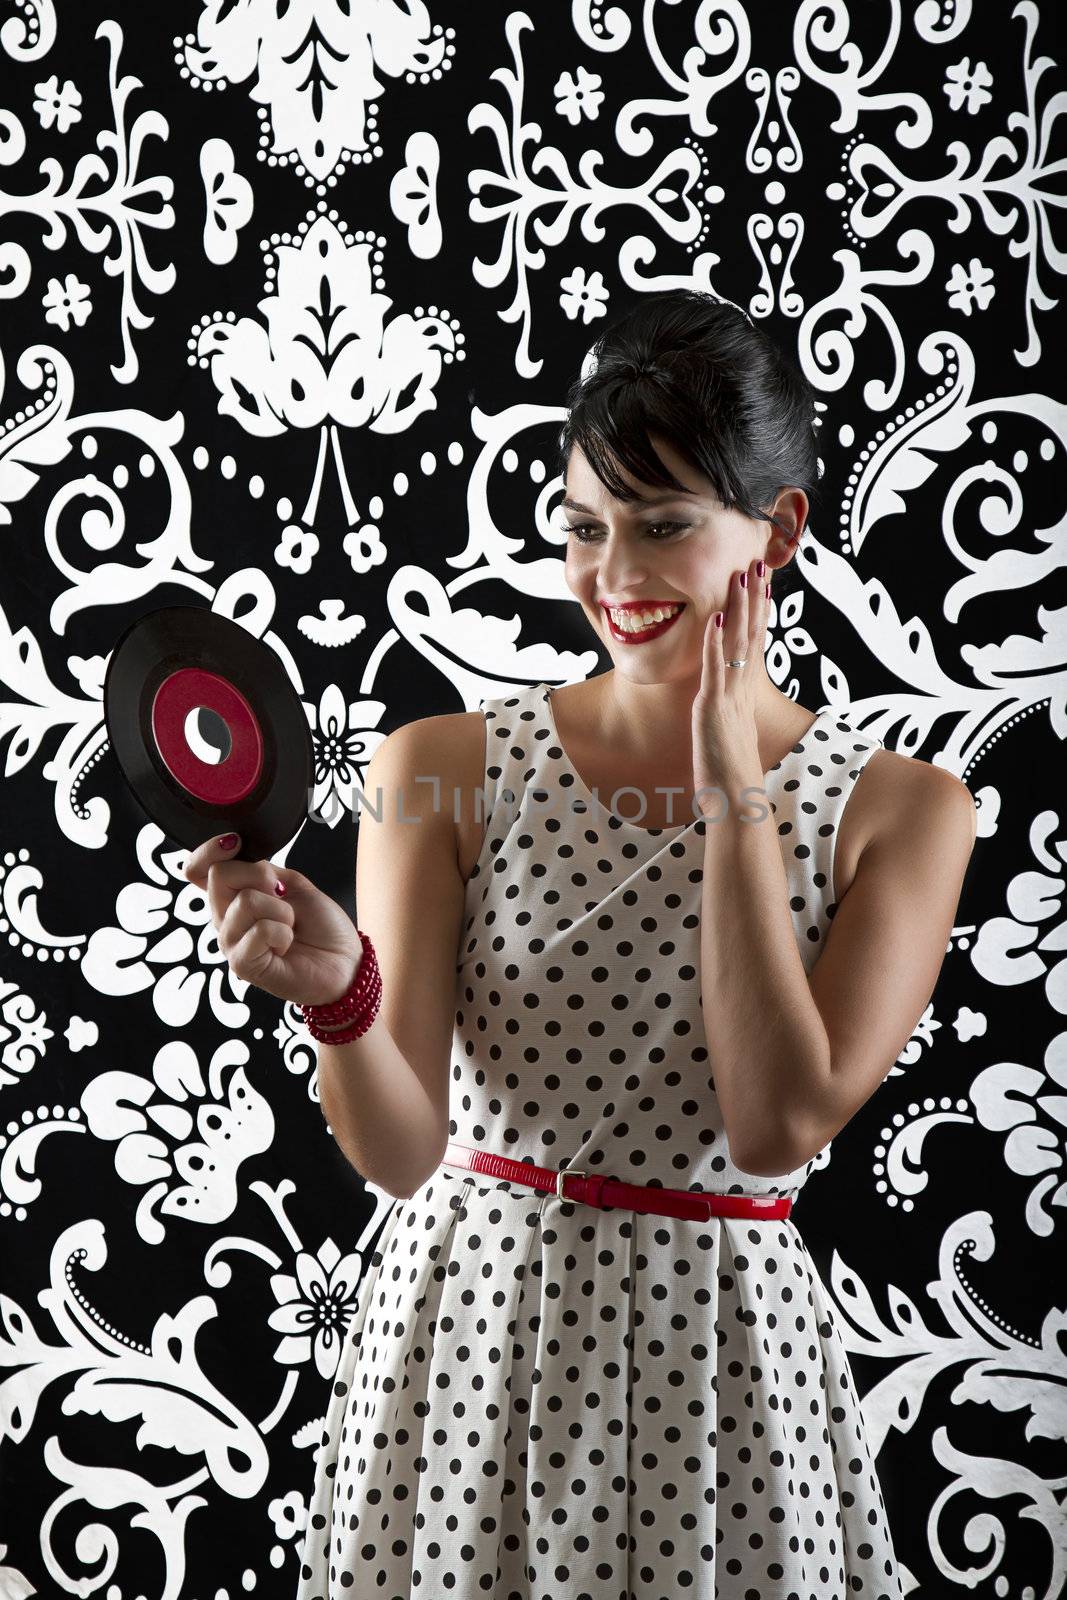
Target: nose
{"x": 620, "y": 570}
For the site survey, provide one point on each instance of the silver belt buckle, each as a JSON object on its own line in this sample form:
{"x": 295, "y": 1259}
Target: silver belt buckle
{"x": 567, "y": 1172}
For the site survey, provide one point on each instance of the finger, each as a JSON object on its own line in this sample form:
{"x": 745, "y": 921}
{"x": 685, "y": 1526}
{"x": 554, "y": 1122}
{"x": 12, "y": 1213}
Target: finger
{"x": 259, "y": 948}
{"x": 225, "y": 879}
{"x": 248, "y": 909}
{"x": 758, "y": 608}
{"x": 711, "y": 665}
{"x": 735, "y": 645}
{"x": 198, "y": 860}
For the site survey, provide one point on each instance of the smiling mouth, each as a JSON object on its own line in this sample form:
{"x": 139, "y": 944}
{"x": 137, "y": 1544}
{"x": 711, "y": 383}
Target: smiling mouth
{"x": 639, "y": 635}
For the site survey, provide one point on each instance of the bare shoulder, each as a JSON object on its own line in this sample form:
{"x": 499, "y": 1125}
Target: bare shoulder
{"x": 905, "y": 796}
{"x": 442, "y": 732}
{"x": 448, "y": 748}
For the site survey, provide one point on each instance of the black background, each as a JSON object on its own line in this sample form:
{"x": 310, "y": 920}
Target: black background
{"x": 983, "y": 1432}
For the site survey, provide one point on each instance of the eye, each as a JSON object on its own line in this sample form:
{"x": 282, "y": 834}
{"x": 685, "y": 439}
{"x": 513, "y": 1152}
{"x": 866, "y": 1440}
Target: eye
{"x": 656, "y": 530}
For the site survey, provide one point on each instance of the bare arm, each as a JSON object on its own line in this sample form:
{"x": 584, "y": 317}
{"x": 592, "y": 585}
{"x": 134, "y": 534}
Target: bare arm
{"x": 386, "y": 1095}
{"x": 795, "y": 1057}
{"x": 886, "y": 945}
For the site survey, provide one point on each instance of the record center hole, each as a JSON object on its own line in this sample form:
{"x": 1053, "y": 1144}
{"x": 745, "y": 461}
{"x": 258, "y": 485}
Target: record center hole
{"x": 207, "y": 735}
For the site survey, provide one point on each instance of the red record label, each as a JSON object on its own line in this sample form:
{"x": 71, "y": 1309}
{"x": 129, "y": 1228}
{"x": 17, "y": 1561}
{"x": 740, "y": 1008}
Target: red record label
{"x": 222, "y": 783}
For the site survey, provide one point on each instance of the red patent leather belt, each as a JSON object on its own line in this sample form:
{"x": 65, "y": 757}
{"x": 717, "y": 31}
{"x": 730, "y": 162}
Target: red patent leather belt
{"x": 597, "y": 1189}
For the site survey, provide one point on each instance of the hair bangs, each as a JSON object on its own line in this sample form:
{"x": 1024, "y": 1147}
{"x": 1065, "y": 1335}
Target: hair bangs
{"x": 613, "y": 435}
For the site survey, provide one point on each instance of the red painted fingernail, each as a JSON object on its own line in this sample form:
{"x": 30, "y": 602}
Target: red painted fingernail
{"x": 767, "y": 591}
{"x": 760, "y": 569}
{"x": 227, "y": 841}
{"x": 744, "y": 580}
{"x": 279, "y": 888}
{"x": 718, "y": 619}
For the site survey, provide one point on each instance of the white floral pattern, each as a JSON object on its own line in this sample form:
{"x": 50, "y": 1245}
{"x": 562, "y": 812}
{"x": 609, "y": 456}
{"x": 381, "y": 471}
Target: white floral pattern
{"x": 314, "y": 1307}
{"x": 228, "y": 201}
{"x": 970, "y": 288}
{"x": 56, "y": 105}
{"x": 323, "y": 403}
{"x": 968, "y": 88}
{"x": 583, "y": 295}
{"x": 67, "y": 302}
{"x": 324, "y": 349}
{"x": 345, "y": 740}
{"x": 312, "y": 68}
{"x": 578, "y": 95}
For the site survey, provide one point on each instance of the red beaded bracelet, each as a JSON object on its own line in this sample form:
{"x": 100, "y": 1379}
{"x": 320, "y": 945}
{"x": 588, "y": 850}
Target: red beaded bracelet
{"x": 357, "y": 1007}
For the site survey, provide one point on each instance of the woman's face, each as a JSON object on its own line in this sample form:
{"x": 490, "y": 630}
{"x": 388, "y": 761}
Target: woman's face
{"x": 674, "y": 549}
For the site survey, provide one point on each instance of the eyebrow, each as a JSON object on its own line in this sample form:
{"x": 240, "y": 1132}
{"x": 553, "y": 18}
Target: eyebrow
{"x": 656, "y": 500}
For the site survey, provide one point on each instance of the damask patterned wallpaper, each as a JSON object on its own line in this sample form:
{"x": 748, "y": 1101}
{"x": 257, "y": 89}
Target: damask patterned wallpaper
{"x": 291, "y": 298}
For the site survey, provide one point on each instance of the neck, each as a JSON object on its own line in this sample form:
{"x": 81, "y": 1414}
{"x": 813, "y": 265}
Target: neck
{"x": 652, "y": 722}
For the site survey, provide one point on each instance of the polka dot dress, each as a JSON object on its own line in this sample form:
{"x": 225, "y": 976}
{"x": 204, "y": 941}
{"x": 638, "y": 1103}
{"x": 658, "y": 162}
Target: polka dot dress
{"x": 542, "y": 1400}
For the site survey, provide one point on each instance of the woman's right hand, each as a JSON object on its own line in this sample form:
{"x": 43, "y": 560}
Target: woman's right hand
{"x": 301, "y": 946}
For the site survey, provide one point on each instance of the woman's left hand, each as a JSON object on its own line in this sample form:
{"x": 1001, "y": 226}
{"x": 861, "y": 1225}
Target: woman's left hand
{"x": 725, "y": 741}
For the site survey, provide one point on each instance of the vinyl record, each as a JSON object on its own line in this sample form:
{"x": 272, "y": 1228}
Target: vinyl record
{"x": 208, "y": 730}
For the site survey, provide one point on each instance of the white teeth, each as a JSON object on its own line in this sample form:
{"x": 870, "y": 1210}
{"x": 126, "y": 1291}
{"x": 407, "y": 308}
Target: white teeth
{"x": 628, "y": 622}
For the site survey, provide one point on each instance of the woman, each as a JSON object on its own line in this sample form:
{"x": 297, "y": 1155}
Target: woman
{"x": 605, "y": 1364}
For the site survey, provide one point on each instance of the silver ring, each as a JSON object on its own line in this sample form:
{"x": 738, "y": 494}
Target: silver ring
{"x": 736, "y": 663}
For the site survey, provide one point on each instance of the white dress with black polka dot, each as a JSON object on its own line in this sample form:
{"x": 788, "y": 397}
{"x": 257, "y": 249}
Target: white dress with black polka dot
{"x": 544, "y": 1400}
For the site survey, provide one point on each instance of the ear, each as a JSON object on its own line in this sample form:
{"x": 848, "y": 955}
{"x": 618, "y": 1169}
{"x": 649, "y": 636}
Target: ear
{"x": 790, "y": 508}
